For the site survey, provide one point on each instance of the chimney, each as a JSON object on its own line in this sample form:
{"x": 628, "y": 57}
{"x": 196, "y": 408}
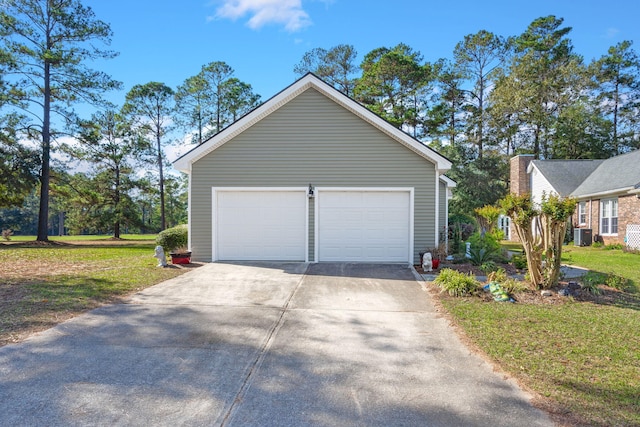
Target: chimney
{"x": 518, "y": 178}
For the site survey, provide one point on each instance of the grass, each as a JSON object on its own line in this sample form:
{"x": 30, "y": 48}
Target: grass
{"x": 43, "y": 285}
{"x": 86, "y": 238}
{"x": 608, "y": 261}
{"x": 583, "y": 358}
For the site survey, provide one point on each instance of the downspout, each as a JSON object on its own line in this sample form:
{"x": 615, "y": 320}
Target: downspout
{"x": 437, "y": 210}
{"x": 189, "y": 243}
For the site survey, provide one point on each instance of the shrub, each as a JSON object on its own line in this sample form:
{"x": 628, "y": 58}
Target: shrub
{"x": 175, "y": 238}
{"x": 519, "y": 262}
{"x": 499, "y": 276}
{"x": 486, "y": 241}
{"x": 497, "y": 234}
{"x": 591, "y": 281}
{"x": 614, "y": 246}
{"x": 513, "y": 286}
{"x": 597, "y": 245}
{"x": 480, "y": 256}
{"x": 618, "y": 282}
{"x": 457, "y": 284}
{"x": 488, "y": 267}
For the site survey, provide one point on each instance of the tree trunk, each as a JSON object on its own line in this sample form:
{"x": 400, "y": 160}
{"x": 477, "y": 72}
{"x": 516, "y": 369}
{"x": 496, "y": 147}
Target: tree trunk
{"x": 163, "y": 220}
{"x": 481, "y": 120}
{"x": 116, "y": 202}
{"x": 45, "y": 174}
{"x": 616, "y": 102}
{"x": 532, "y": 253}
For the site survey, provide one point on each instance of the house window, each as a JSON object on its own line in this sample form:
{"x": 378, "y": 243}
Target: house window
{"x": 582, "y": 213}
{"x": 609, "y": 216}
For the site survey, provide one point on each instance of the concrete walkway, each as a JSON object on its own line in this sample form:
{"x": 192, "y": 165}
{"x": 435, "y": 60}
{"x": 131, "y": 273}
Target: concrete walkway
{"x": 261, "y": 345}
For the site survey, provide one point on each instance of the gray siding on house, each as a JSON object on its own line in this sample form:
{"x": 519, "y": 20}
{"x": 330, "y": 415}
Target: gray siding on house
{"x": 311, "y": 140}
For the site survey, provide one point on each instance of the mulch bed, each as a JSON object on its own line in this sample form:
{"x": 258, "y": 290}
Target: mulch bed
{"x": 608, "y": 296}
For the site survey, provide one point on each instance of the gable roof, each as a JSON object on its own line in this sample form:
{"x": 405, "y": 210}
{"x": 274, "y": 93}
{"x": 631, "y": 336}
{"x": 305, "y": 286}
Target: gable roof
{"x": 617, "y": 174}
{"x": 565, "y": 175}
{"x": 183, "y": 163}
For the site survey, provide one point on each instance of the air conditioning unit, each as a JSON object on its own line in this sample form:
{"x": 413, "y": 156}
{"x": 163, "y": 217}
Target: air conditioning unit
{"x": 582, "y": 236}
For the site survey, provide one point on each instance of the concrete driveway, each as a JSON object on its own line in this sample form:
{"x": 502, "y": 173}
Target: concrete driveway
{"x": 261, "y": 345}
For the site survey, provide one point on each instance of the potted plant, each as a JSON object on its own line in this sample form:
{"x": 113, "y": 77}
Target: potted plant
{"x": 174, "y": 241}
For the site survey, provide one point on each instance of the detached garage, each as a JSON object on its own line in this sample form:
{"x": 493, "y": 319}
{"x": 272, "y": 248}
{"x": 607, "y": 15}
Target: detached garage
{"x": 311, "y": 175}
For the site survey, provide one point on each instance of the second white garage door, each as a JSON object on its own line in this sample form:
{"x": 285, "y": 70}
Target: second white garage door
{"x": 260, "y": 224}
{"x": 364, "y": 225}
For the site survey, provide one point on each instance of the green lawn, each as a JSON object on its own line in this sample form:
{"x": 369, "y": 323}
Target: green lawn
{"x": 609, "y": 261}
{"x": 43, "y": 285}
{"x": 85, "y": 238}
{"x": 584, "y": 357}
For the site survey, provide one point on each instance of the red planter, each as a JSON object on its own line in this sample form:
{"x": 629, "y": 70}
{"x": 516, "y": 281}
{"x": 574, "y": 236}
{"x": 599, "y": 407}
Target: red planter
{"x": 181, "y": 258}
{"x": 435, "y": 263}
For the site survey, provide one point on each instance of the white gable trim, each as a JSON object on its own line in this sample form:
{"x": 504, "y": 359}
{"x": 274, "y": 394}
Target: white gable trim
{"x": 288, "y": 94}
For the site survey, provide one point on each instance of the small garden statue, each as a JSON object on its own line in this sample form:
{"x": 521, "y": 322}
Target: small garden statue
{"x": 427, "y": 262}
{"x": 162, "y": 259}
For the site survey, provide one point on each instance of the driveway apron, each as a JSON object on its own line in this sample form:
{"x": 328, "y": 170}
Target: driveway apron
{"x": 263, "y": 344}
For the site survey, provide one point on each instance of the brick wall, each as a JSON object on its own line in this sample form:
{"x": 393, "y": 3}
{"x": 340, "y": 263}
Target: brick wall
{"x": 628, "y": 213}
{"x": 518, "y": 178}
{"x": 519, "y": 182}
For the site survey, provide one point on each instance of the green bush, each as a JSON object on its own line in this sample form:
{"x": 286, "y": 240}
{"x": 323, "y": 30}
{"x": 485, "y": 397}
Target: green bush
{"x": 597, "y": 245}
{"x": 174, "y": 238}
{"x": 499, "y": 275}
{"x": 486, "y": 241}
{"x": 488, "y": 266}
{"x": 614, "y": 246}
{"x": 480, "y": 256}
{"x": 513, "y": 286}
{"x": 591, "y": 282}
{"x": 618, "y": 282}
{"x": 519, "y": 262}
{"x": 483, "y": 248}
{"x": 457, "y": 284}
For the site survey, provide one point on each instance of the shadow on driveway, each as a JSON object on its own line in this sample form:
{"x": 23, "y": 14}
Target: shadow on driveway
{"x": 237, "y": 356}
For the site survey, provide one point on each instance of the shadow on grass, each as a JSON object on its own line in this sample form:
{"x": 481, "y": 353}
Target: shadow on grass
{"x": 626, "y": 397}
{"x": 629, "y": 298}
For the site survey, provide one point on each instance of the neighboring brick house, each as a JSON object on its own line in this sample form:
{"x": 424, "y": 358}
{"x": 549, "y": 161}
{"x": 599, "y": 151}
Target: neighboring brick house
{"x": 608, "y": 192}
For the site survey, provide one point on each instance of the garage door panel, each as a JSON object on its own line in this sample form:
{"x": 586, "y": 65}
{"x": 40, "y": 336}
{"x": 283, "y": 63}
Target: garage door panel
{"x": 363, "y": 226}
{"x": 261, "y": 225}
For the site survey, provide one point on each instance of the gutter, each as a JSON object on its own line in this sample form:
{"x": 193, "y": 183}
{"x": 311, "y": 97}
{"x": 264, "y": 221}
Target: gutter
{"x": 616, "y": 192}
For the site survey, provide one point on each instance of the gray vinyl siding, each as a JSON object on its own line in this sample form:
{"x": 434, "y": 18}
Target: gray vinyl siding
{"x": 312, "y": 140}
{"x": 442, "y": 214}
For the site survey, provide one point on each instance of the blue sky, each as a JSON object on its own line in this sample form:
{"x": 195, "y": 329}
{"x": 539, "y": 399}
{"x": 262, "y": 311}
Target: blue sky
{"x": 262, "y": 40}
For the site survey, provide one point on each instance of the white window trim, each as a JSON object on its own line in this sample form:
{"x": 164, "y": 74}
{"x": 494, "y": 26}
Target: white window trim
{"x": 602, "y": 217}
{"x": 582, "y": 211}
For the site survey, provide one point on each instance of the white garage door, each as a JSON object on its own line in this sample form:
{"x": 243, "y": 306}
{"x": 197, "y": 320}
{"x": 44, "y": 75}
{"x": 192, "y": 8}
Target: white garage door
{"x": 267, "y": 225}
{"x": 364, "y": 226}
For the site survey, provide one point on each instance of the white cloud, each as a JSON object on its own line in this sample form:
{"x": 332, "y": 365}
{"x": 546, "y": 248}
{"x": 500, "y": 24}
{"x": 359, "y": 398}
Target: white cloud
{"x": 262, "y": 12}
{"x": 611, "y": 33}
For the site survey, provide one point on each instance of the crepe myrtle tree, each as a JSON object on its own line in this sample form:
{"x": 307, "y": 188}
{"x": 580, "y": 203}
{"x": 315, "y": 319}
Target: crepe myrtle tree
{"x": 541, "y": 231}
